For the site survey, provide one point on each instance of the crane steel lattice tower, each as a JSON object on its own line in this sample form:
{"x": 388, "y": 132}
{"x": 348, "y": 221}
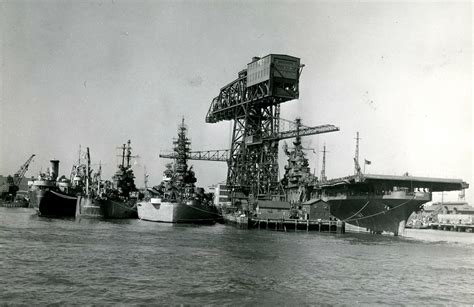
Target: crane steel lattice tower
{"x": 253, "y": 101}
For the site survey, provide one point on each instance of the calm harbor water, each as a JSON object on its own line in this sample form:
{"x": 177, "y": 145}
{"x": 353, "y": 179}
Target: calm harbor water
{"x": 66, "y": 262}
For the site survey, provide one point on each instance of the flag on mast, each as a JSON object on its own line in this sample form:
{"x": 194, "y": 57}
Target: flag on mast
{"x": 367, "y": 162}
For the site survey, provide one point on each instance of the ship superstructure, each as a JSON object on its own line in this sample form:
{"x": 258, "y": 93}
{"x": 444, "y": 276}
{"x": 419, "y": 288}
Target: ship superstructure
{"x": 177, "y": 199}
{"x": 297, "y": 174}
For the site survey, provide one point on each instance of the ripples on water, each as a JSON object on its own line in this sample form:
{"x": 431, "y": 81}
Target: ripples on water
{"x": 61, "y": 261}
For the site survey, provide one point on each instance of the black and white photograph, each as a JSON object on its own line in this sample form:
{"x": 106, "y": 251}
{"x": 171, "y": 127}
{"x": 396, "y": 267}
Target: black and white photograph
{"x": 236, "y": 153}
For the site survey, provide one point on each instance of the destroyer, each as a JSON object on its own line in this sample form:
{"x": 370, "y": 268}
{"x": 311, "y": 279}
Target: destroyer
{"x": 176, "y": 199}
{"x": 120, "y": 197}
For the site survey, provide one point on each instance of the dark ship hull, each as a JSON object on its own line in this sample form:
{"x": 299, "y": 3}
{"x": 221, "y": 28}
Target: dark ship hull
{"x": 53, "y": 203}
{"x": 91, "y": 207}
{"x": 381, "y": 203}
{"x": 118, "y": 209}
{"x": 88, "y": 207}
{"x": 375, "y": 214}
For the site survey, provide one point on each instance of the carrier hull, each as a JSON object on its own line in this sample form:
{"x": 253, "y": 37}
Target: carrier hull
{"x": 377, "y": 214}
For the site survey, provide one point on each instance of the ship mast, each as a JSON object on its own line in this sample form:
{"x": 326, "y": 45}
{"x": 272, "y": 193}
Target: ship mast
{"x": 182, "y": 149}
{"x": 126, "y": 154}
{"x": 98, "y": 177}
{"x": 145, "y": 179}
{"x": 323, "y": 169}
{"x": 88, "y": 171}
{"x": 356, "y": 158}
{"x": 123, "y": 155}
{"x": 79, "y": 156}
{"x": 124, "y": 178}
{"x": 129, "y": 153}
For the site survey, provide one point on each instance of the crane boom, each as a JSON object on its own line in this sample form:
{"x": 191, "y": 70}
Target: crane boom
{"x": 18, "y": 176}
{"x": 223, "y": 154}
{"x": 206, "y": 155}
{"x": 304, "y": 132}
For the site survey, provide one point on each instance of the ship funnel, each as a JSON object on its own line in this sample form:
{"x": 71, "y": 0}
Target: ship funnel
{"x": 54, "y": 169}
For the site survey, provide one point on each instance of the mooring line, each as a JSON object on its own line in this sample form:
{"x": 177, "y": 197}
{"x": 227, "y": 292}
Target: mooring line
{"x": 381, "y": 212}
{"x": 63, "y": 196}
{"x": 357, "y": 211}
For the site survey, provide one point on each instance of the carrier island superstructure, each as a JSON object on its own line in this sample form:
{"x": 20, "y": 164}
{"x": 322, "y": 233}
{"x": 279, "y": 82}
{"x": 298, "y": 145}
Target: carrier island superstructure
{"x": 252, "y": 102}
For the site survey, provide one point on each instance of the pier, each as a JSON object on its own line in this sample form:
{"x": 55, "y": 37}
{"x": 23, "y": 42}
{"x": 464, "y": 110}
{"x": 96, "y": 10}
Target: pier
{"x": 14, "y": 204}
{"x": 286, "y": 225}
{"x": 452, "y": 227}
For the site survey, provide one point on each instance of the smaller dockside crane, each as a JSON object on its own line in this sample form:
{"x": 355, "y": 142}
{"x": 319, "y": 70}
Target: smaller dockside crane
{"x": 11, "y": 187}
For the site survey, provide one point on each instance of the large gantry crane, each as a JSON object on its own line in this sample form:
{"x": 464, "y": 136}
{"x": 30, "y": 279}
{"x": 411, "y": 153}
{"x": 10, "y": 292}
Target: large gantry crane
{"x": 253, "y": 101}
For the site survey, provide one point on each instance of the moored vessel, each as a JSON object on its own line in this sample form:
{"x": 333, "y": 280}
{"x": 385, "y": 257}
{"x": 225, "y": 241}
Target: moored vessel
{"x": 119, "y": 198}
{"x": 87, "y": 204}
{"x": 50, "y": 196}
{"x": 379, "y": 203}
{"x": 177, "y": 199}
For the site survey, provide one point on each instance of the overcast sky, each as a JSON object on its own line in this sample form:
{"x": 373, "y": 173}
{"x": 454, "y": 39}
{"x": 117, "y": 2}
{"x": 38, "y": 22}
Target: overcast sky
{"x": 97, "y": 73}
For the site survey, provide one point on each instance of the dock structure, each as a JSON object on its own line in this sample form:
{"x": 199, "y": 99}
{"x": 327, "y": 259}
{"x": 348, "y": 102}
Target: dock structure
{"x": 452, "y": 227}
{"x": 296, "y": 225}
{"x": 241, "y": 222}
{"x": 287, "y": 225}
{"x": 14, "y": 204}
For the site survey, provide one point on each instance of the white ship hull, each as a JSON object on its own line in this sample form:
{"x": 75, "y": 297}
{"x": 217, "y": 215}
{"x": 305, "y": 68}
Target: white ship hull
{"x": 157, "y": 210}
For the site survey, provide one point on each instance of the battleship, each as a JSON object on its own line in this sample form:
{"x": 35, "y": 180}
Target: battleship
{"x": 177, "y": 199}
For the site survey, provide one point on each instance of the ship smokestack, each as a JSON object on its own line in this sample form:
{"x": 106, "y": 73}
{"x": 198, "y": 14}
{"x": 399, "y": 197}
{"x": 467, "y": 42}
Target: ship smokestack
{"x": 54, "y": 169}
